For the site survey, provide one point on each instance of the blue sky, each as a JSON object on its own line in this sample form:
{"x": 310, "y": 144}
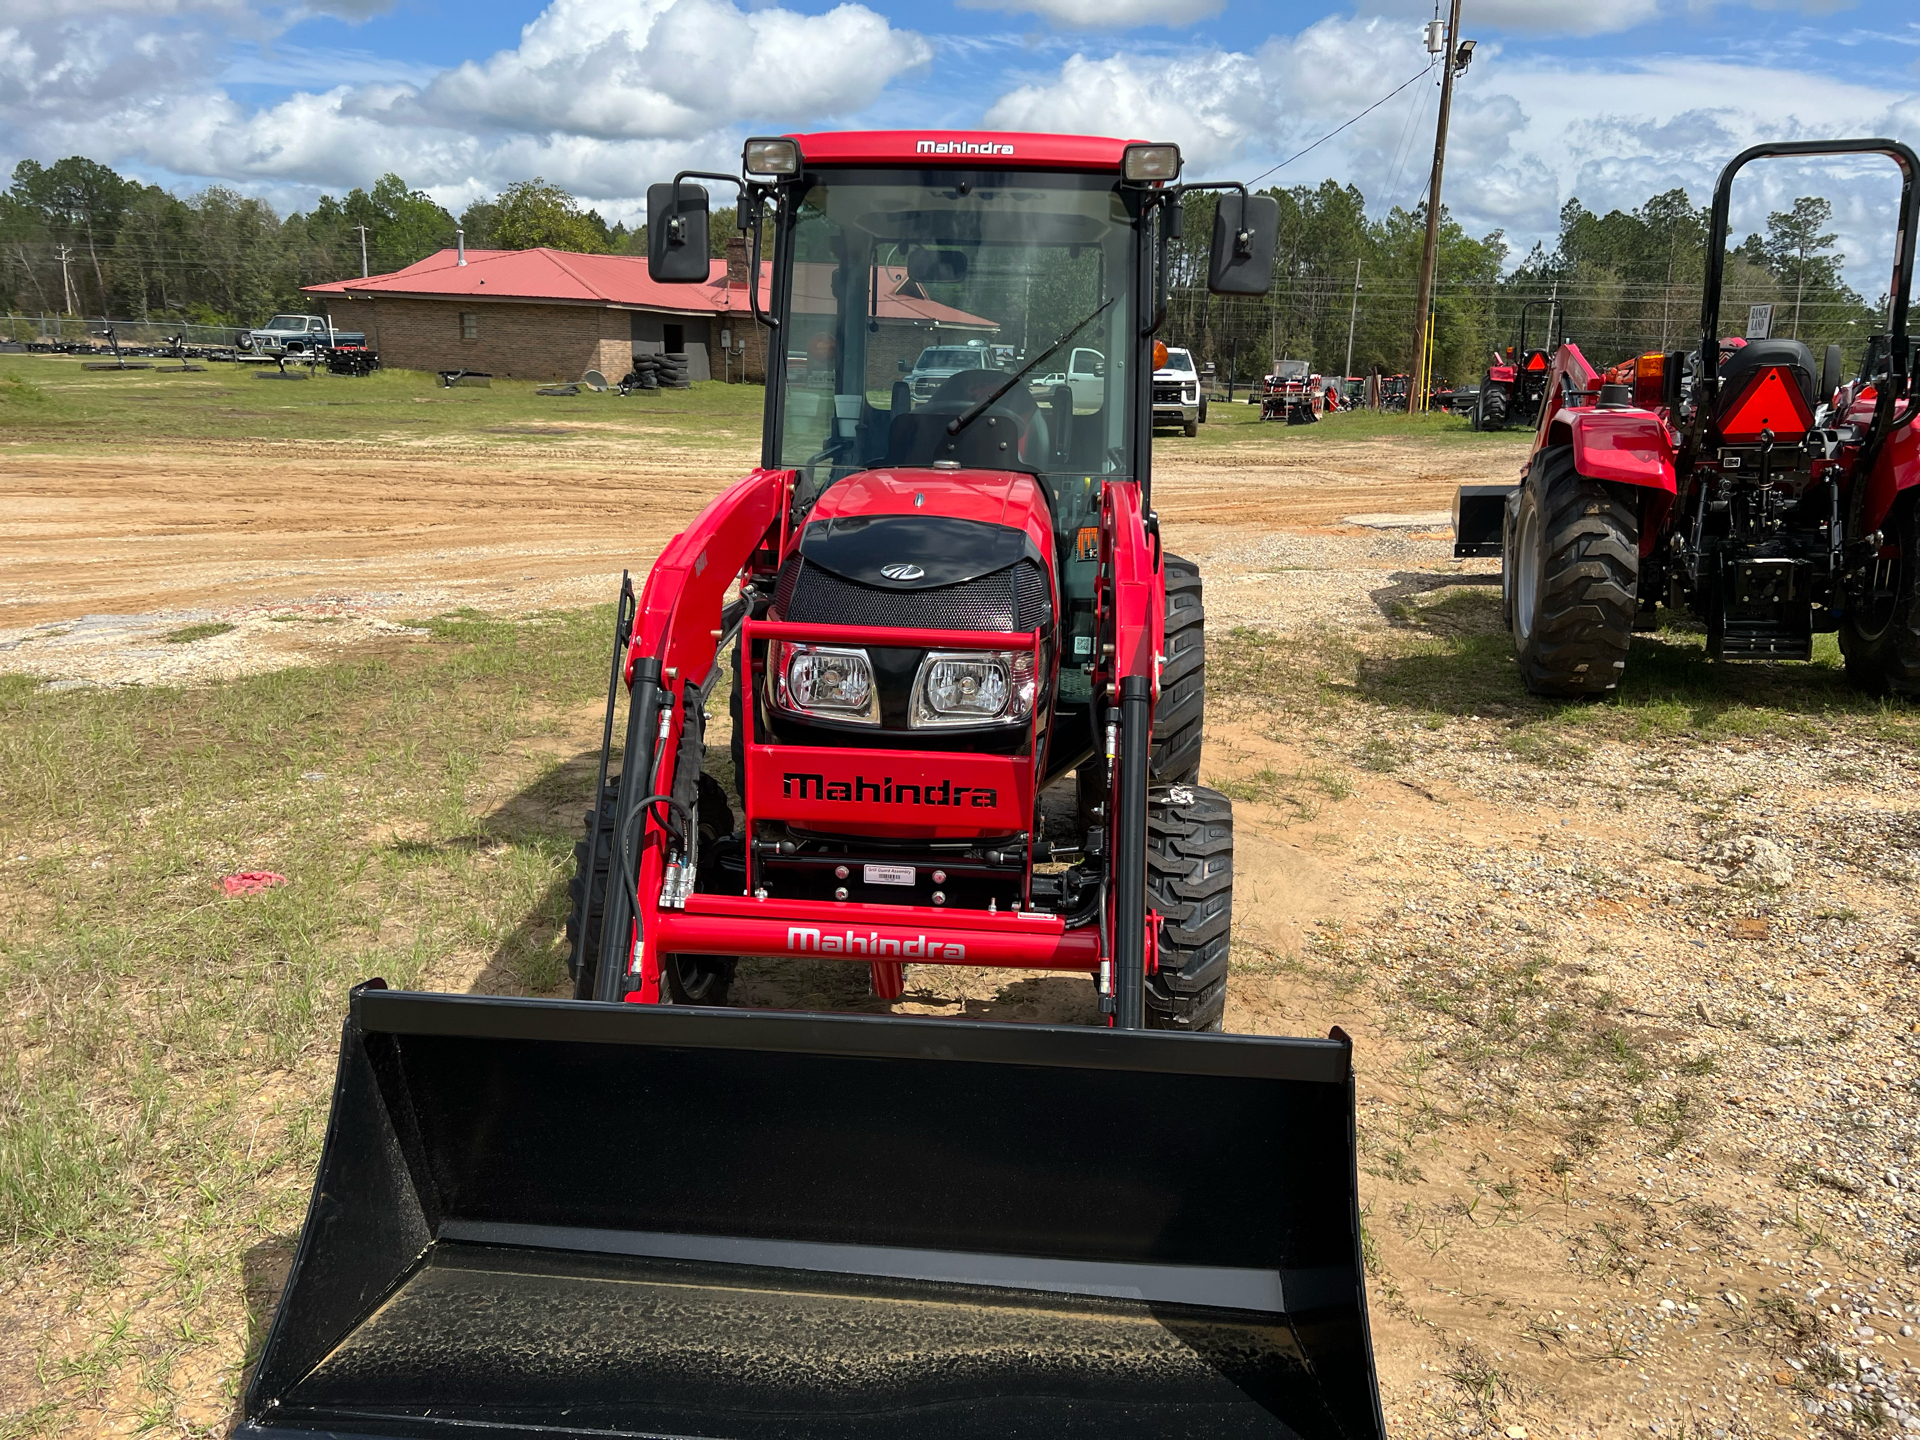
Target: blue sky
{"x": 1610, "y": 101}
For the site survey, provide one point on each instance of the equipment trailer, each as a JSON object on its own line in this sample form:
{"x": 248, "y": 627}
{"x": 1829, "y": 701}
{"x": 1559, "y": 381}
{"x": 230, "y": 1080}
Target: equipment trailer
{"x": 1729, "y": 482}
{"x": 655, "y": 1217}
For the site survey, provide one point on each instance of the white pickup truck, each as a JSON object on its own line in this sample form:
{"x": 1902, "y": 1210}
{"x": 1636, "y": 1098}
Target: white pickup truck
{"x": 296, "y": 335}
{"x": 1085, "y": 376}
{"x": 1176, "y": 393}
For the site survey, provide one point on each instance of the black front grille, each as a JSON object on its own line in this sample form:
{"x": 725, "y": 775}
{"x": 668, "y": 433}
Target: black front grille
{"x": 1014, "y": 599}
{"x": 1166, "y": 393}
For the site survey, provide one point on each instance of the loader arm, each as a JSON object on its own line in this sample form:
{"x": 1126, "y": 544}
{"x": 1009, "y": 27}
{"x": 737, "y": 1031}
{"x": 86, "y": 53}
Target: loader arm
{"x": 670, "y": 659}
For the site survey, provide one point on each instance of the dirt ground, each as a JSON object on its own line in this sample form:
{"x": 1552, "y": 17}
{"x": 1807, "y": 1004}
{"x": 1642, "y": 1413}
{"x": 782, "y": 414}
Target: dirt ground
{"x": 102, "y": 557}
{"x": 1634, "y": 1018}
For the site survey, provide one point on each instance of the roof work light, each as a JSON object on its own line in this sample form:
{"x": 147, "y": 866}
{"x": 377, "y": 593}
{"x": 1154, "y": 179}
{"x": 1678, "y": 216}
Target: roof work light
{"x": 772, "y": 157}
{"x": 1151, "y": 162}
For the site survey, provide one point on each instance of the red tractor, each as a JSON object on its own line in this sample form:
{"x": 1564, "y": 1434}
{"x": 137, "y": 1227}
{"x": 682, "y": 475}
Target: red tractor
{"x": 1516, "y": 383}
{"x": 943, "y": 605}
{"x": 1740, "y": 482}
{"x": 538, "y": 1217}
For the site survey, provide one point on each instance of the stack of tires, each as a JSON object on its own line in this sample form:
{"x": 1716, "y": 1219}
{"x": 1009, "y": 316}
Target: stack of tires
{"x": 657, "y": 372}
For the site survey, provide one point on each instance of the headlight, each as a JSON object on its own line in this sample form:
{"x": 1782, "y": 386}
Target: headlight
{"x": 972, "y": 687}
{"x": 828, "y": 681}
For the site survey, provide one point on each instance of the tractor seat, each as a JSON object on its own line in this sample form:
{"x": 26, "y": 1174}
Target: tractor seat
{"x": 1740, "y": 367}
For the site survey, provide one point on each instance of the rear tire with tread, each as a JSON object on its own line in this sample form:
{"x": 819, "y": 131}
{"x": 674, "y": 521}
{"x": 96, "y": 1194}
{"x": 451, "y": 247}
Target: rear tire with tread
{"x": 1190, "y": 885}
{"x": 1881, "y": 641}
{"x": 1576, "y": 564}
{"x": 1493, "y": 408}
{"x": 1175, "y": 757}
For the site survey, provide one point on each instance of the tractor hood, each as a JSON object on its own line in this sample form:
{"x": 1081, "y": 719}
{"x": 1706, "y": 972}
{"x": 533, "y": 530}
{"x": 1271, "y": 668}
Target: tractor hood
{"x": 948, "y": 526}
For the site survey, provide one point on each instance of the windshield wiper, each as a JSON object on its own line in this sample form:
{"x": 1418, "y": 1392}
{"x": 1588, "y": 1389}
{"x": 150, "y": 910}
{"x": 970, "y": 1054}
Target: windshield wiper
{"x": 980, "y": 407}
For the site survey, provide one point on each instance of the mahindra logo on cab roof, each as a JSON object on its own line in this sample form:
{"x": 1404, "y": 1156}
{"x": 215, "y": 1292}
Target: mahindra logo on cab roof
{"x": 962, "y": 147}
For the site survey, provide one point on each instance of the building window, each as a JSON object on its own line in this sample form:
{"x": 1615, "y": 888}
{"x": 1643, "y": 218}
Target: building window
{"x": 469, "y": 325}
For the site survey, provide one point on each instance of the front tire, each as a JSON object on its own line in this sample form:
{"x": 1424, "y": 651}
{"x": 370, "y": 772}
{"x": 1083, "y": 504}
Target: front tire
{"x": 1880, "y": 635}
{"x": 1175, "y": 756}
{"x": 1576, "y": 564}
{"x": 1190, "y": 885}
{"x": 1191, "y": 428}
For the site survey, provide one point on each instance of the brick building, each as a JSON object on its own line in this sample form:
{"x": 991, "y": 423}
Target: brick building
{"x": 553, "y": 314}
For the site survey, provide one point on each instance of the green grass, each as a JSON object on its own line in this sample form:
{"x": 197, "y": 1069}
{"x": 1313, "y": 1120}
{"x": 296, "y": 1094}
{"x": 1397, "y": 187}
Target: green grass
{"x": 1240, "y": 424}
{"x": 50, "y": 405}
{"x": 1449, "y": 657}
{"x": 165, "y": 1050}
{"x": 205, "y": 630}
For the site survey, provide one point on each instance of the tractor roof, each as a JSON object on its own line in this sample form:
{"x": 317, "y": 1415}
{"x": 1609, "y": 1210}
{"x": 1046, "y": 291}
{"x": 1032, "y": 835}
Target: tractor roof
{"x": 1010, "y": 149}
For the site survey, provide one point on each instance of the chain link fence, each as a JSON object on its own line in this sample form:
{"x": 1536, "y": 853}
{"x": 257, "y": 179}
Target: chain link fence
{"x": 66, "y": 329}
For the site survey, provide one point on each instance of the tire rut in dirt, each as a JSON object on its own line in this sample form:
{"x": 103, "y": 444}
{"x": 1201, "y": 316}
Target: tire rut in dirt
{"x": 1175, "y": 756}
{"x": 690, "y": 979}
{"x": 1881, "y": 639}
{"x": 1190, "y": 883}
{"x": 1573, "y": 623}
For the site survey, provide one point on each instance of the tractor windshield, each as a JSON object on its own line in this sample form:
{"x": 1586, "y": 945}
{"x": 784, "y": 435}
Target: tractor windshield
{"x": 922, "y": 293}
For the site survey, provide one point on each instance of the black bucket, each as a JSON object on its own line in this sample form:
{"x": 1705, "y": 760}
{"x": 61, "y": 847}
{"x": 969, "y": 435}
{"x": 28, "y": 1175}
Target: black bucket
{"x": 542, "y": 1217}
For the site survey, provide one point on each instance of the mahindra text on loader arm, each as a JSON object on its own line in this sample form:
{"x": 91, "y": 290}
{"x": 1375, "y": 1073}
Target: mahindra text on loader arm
{"x": 639, "y": 1213}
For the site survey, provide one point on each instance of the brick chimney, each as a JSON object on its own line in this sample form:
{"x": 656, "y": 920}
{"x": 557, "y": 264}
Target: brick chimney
{"x": 736, "y": 262}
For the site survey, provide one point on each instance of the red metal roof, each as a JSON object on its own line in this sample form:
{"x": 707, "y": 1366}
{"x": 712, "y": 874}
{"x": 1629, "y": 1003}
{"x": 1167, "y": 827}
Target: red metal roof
{"x": 561, "y": 275}
{"x": 1011, "y": 149}
{"x": 566, "y": 276}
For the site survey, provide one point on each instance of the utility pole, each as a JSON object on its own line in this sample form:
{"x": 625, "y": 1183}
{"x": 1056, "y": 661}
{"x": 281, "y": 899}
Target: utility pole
{"x": 1353, "y": 313}
{"x": 1416, "y": 393}
{"x": 65, "y": 254}
{"x": 363, "y": 250}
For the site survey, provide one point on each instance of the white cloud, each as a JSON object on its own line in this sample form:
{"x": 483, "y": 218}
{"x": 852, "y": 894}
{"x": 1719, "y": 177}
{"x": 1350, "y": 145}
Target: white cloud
{"x": 1106, "y": 14}
{"x": 599, "y": 95}
{"x": 676, "y": 68}
{"x": 1535, "y": 17}
{"x": 1526, "y": 135}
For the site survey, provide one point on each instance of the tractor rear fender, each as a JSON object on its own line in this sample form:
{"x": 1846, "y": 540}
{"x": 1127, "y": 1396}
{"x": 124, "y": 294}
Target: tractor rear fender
{"x": 1621, "y": 446}
{"x": 1624, "y": 447}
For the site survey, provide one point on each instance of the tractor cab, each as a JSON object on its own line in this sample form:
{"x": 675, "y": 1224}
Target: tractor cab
{"x": 970, "y": 343}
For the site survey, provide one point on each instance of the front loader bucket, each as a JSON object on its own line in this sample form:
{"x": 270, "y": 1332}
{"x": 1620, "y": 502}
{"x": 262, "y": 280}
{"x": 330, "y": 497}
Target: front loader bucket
{"x": 539, "y": 1218}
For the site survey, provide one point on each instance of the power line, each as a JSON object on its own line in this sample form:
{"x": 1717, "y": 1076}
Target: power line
{"x": 1338, "y": 128}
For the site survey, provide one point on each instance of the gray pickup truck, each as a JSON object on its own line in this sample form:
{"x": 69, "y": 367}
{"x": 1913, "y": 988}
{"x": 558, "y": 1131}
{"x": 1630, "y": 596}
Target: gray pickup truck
{"x": 296, "y": 335}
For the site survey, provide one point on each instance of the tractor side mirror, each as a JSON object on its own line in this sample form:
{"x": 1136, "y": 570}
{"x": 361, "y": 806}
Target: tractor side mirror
{"x": 1245, "y": 230}
{"x": 1829, "y": 375}
{"x": 677, "y": 242}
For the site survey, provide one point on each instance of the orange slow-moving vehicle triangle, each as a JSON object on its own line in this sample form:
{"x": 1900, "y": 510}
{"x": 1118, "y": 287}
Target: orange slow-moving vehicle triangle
{"x": 1771, "y": 402}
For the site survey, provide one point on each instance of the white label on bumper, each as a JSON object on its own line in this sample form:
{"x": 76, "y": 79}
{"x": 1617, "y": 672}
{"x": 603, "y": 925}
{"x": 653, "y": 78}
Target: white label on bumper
{"x": 887, "y": 874}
